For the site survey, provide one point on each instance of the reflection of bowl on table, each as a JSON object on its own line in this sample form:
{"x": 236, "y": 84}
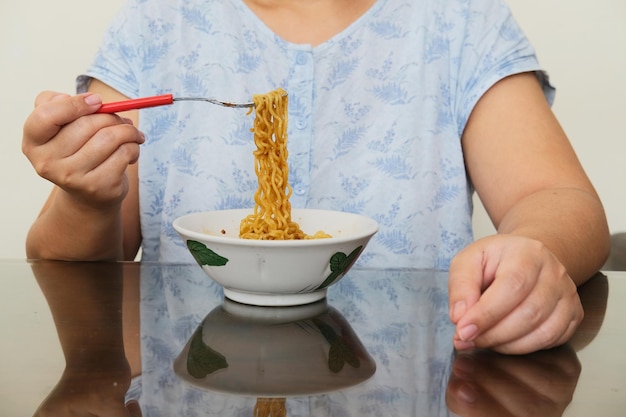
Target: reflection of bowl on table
{"x": 275, "y": 272}
{"x": 274, "y": 351}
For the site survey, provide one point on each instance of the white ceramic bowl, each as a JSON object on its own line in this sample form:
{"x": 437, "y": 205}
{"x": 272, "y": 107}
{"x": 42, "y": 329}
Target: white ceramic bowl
{"x": 275, "y": 272}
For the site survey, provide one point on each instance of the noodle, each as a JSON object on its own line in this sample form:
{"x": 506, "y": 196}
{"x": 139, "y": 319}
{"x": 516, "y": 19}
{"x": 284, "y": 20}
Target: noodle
{"x": 271, "y": 218}
{"x": 270, "y": 407}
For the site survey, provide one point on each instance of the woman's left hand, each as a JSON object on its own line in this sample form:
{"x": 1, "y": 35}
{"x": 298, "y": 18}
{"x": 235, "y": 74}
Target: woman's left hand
{"x": 511, "y": 294}
{"x": 484, "y": 383}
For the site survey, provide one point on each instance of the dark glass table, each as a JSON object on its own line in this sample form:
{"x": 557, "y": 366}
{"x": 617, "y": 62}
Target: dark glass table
{"x": 130, "y": 339}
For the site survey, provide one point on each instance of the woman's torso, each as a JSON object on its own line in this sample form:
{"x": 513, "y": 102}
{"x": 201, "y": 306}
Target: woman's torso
{"x": 375, "y": 114}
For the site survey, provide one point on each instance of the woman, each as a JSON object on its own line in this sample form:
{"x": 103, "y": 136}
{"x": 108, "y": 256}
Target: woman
{"x": 398, "y": 110}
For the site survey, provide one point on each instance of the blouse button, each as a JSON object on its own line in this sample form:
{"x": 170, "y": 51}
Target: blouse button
{"x": 302, "y": 58}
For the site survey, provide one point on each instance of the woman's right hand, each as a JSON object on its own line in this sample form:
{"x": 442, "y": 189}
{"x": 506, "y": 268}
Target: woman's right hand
{"x": 83, "y": 153}
{"x": 84, "y": 394}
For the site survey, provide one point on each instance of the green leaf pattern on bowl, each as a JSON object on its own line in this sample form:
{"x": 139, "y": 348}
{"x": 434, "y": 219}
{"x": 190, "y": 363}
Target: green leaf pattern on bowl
{"x": 340, "y": 352}
{"x": 204, "y": 255}
{"x": 201, "y": 359}
{"x": 339, "y": 263}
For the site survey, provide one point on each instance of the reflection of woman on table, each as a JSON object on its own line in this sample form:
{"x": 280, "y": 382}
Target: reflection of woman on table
{"x": 98, "y": 335}
{"x": 539, "y": 384}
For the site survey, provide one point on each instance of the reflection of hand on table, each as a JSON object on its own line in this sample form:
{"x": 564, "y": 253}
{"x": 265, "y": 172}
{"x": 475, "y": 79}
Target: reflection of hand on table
{"x": 79, "y": 394}
{"x": 485, "y": 383}
{"x": 87, "y": 302}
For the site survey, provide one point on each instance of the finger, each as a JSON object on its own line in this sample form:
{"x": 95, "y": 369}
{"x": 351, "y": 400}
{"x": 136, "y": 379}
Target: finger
{"x": 555, "y": 331}
{"x": 468, "y": 399}
{"x": 548, "y": 373}
{"x": 496, "y": 383}
{"x": 545, "y": 315}
{"x": 465, "y": 280}
{"x": 512, "y": 320}
{"x": 105, "y": 184}
{"x": 563, "y": 358}
{"x": 84, "y": 145}
{"x": 553, "y": 372}
{"x": 512, "y": 284}
{"x": 71, "y": 138}
{"x": 514, "y": 394}
{"x": 53, "y": 111}
{"x": 120, "y": 140}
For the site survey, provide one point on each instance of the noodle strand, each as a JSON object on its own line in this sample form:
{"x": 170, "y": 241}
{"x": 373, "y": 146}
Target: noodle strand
{"x": 271, "y": 217}
{"x": 270, "y": 407}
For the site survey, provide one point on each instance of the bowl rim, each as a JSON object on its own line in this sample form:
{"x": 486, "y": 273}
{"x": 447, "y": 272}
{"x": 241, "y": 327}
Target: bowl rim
{"x": 371, "y": 228}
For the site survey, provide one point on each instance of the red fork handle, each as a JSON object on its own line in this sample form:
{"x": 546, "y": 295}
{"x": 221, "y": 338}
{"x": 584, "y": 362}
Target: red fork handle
{"x": 136, "y": 103}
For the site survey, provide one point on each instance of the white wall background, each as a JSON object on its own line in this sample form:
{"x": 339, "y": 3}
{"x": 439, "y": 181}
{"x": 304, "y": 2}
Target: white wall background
{"x": 582, "y": 44}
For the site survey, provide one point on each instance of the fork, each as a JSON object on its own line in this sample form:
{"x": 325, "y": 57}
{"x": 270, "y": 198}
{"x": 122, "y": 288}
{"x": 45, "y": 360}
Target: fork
{"x": 162, "y": 100}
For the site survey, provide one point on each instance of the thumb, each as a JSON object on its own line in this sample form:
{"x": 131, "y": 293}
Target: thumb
{"x": 55, "y": 110}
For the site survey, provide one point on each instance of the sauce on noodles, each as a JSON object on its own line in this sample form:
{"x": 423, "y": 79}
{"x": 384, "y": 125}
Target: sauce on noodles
{"x": 271, "y": 218}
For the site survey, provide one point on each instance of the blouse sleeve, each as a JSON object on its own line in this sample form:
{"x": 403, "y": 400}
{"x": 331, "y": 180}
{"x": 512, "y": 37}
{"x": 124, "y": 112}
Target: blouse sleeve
{"x": 118, "y": 57}
{"x": 492, "y": 47}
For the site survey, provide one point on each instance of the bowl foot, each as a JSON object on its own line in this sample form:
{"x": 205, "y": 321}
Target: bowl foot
{"x": 274, "y": 300}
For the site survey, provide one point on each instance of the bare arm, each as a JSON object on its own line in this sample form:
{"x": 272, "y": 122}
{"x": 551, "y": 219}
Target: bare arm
{"x": 529, "y": 178}
{"x": 516, "y": 291}
{"x": 92, "y": 211}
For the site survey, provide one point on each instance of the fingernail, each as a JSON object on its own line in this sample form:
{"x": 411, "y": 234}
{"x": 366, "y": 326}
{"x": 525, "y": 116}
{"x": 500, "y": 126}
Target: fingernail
{"x": 463, "y": 366}
{"x": 92, "y": 99}
{"x": 462, "y": 345}
{"x": 458, "y": 309}
{"x": 468, "y": 333}
{"x": 467, "y": 393}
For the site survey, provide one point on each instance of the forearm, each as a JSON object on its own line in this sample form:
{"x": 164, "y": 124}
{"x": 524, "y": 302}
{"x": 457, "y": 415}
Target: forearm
{"x": 85, "y": 300}
{"x": 66, "y": 230}
{"x": 568, "y": 221}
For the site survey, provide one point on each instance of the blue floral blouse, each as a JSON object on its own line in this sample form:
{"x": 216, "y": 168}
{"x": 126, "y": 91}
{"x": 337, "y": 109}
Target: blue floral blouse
{"x": 375, "y": 113}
